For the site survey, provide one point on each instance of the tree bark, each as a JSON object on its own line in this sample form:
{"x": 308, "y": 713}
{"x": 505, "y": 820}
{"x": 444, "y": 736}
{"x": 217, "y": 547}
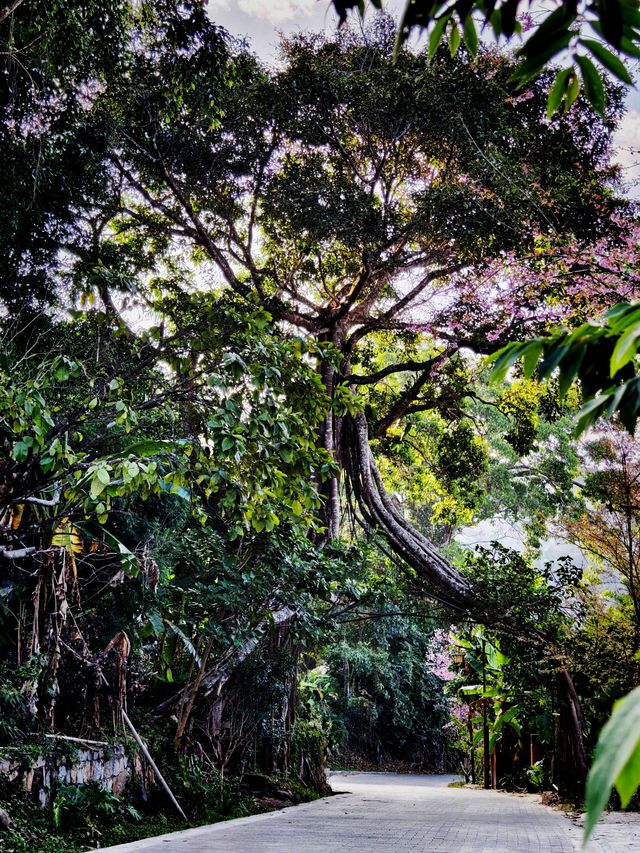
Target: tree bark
{"x": 448, "y": 585}
{"x": 572, "y": 767}
{"x": 7, "y": 7}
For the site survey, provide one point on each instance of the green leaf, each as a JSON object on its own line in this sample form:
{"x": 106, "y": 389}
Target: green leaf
{"x": 436, "y": 34}
{"x": 103, "y": 476}
{"x": 627, "y": 46}
{"x": 553, "y": 356}
{"x": 625, "y": 349}
{"x": 623, "y": 320}
{"x": 557, "y": 91}
{"x": 96, "y": 488}
{"x": 506, "y": 357}
{"x": 151, "y": 447}
{"x": 454, "y": 39}
{"x": 573, "y": 90}
{"x": 186, "y": 641}
{"x": 628, "y": 780}
{"x": 570, "y": 369}
{"x": 629, "y": 406}
{"x": 156, "y": 621}
{"x": 530, "y": 357}
{"x": 128, "y": 559}
{"x": 614, "y": 399}
{"x": 554, "y": 26}
{"x": 608, "y": 59}
{"x": 615, "y": 759}
{"x": 592, "y": 82}
{"x": 20, "y": 451}
{"x": 471, "y": 36}
{"x": 591, "y": 412}
{"x": 471, "y": 689}
{"x": 62, "y": 373}
{"x": 618, "y": 313}
{"x": 532, "y": 66}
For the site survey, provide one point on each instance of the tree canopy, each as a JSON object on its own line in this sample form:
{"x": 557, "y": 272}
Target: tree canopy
{"x": 582, "y": 32}
{"x": 243, "y": 397}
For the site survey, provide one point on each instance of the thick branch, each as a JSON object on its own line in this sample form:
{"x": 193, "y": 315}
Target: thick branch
{"x": 213, "y": 681}
{"x": 404, "y": 404}
{"x": 7, "y": 7}
{"x": 17, "y": 554}
{"x": 450, "y": 586}
{"x": 402, "y": 367}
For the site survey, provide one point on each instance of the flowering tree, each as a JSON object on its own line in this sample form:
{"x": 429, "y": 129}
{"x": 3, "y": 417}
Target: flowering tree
{"x": 608, "y": 528}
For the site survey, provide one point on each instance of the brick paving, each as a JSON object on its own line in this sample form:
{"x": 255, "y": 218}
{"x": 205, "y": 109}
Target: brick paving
{"x": 391, "y": 813}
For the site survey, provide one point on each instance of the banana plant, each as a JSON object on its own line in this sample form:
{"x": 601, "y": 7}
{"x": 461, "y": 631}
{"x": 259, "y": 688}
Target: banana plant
{"x": 487, "y": 662}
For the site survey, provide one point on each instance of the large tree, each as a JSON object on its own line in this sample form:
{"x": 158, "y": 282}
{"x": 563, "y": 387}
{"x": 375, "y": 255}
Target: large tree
{"x": 341, "y": 202}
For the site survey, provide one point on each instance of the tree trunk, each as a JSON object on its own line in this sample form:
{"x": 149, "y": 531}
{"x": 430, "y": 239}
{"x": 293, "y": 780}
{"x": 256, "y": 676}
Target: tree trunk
{"x": 571, "y": 765}
{"x": 329, "y": 441}
{"x": 447, "y": 585}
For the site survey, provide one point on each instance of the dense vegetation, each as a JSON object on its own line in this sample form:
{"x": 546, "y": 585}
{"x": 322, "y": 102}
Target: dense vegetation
{"x": 244, "y": 412}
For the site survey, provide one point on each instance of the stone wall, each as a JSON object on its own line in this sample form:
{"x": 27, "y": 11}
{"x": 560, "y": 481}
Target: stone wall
{"x": 74, "y": 764}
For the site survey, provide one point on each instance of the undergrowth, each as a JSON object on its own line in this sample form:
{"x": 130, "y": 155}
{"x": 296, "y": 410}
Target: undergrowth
{"x": 89, "y": 817}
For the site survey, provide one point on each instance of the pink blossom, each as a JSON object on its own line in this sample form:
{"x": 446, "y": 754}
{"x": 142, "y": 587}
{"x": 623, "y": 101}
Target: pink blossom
{"x": 527, "y": 22}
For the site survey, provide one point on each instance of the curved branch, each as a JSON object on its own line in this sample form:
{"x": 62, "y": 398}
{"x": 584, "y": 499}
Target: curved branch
{"x": 451, "y": 587}
{"x": 8, "y": 7}
{"x": 402, "y": 367}
{"x": 447, "y": 585}
{"x": 406, "y": 400}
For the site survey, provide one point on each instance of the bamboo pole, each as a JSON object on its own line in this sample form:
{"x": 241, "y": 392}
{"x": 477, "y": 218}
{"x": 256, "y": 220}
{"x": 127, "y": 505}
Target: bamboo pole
{"x": 147, "y": 755}
{"x": 154, "y": 766}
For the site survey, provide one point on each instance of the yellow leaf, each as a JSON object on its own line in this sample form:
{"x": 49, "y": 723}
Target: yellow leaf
{"x": 66, "y": 536}
{"x": 16, "y": 516}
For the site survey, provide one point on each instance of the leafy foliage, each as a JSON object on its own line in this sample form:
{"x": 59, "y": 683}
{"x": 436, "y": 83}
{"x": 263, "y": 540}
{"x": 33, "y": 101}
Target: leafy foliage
{"x": 244, "y": 264}
{"x": 567, "y": 26}
{"x": 616, "y": 759}
{"x": 599, "y": 354}
{"x": 384, "y": 700}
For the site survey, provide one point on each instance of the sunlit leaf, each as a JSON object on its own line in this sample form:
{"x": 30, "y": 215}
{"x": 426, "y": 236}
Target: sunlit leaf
{"x": 615, "y": 758}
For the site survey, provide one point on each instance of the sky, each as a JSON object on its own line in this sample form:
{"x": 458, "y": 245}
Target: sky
{"x": 261, "y": 21}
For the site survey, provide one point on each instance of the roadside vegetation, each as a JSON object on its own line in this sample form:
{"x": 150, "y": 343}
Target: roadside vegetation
{"x": 248, "y": 421}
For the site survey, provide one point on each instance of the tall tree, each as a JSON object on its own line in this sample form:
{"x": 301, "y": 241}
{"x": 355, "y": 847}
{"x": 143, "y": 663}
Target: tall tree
{"x": 585, "y": 30}
{"x": 340, "y": 200}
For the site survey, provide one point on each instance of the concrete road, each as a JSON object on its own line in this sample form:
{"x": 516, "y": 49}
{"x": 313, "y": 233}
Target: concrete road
{"x": 392, "y": 813}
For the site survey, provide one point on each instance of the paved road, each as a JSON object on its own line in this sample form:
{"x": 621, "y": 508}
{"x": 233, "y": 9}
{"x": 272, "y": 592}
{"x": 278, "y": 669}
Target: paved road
{"x": 390, "y": 813}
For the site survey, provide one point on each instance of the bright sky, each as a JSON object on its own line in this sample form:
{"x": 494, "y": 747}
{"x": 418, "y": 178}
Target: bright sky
{"x": 261, "y": 21}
